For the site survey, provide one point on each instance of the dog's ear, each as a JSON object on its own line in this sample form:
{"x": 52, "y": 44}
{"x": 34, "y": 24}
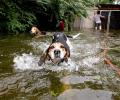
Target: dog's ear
{"x": 67, "y": 53}
{"x": 44, "y": 57}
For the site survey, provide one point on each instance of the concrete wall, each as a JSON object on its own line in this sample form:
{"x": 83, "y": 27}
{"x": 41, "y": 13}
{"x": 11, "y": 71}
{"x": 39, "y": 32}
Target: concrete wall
{"x": 84, "y": 23}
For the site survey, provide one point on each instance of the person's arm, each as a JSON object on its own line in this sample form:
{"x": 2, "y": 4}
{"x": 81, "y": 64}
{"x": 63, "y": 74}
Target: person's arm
{"x": 102, "y": 16}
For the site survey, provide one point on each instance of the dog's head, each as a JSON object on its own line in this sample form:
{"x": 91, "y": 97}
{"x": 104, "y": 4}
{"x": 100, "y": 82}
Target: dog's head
{"x": 57, "y": 52}
{"x": 33, "y": 30}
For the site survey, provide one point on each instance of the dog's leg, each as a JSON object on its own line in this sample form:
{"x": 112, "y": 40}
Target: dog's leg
{"x": 43, "y": 58}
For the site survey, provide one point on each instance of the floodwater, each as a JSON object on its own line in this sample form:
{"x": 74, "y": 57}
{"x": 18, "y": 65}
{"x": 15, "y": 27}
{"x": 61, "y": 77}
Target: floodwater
{"x": 85, "y": 77}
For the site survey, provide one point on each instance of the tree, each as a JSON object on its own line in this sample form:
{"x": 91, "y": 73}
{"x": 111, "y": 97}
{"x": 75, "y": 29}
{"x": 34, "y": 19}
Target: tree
{"x": 14, "y": 18}
{"x": 19, "y": 15}
{"x": 66, "y": 9}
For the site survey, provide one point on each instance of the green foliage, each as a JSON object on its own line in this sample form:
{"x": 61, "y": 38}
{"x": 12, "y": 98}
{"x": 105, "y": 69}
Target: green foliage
{"x": 73, "y": 8}
{"x": 67, "y": 9}
{"x": 19, "y": 15}
{"x": 16, "y": 19}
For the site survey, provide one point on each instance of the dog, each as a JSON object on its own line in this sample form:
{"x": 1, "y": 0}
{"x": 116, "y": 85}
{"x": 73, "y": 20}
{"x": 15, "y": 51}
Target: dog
{"x": 36, "y": 32}
{"x": 58, "y": 51}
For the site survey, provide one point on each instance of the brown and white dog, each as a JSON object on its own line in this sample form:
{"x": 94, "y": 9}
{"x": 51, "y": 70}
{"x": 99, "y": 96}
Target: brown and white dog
{"x": 36, "y": 32}
{"x": 58, "y": 51}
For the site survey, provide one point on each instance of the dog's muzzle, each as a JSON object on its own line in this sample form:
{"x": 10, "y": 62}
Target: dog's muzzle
{"x": 57, "y": 53}
{"x": 57, "y": 56}
{"x": 57, "y": 60}
{"x": 31, "y": 32}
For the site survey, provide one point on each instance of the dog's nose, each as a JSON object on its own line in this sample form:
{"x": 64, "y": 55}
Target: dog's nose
{"x": 31, "y": 32}
{"x": 57, "y": 53}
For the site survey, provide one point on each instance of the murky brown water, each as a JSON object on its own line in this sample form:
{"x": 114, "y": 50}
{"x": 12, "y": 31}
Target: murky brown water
{"x": 85, "y": 78}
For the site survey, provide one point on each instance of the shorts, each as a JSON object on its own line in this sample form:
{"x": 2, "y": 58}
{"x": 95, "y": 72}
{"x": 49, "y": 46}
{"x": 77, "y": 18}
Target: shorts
{"x": 97, "y": 25}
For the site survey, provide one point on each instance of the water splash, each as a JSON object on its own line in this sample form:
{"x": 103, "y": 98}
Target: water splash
{"x": 89, "y": 61}
{"x": 30, "y": 62}
{"x": 25, "y": 62}
{"x": 39, "y": 45}
{"x": 70, "y": 66}
{"x": 78, "y": 51}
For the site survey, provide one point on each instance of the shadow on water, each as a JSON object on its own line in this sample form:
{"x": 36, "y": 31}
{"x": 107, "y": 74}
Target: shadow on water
{"x": 86, "y": 76}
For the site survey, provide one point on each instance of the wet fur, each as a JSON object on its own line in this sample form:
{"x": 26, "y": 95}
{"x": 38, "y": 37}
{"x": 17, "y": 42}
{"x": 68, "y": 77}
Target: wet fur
{"x": 36, "y": 32}
{"x": 57, "y": 38}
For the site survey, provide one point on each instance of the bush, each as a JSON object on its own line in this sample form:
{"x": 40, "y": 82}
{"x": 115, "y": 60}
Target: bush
{"x": 15, "y": 19}
{"x": 18, "y": 15}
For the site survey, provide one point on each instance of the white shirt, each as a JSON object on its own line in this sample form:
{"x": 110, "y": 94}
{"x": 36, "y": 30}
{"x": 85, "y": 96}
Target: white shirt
{"x": 97, "y": 18}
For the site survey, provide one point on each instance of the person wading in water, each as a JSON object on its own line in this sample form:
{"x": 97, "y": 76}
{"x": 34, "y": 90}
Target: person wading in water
{"x": 60, "y": 25}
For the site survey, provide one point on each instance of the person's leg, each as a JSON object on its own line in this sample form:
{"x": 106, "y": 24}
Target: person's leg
{"x": 95, "y": 26}
{"x": 99, "y": 26}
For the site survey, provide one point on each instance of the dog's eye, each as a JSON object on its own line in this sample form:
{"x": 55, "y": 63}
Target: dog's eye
{"x": 51, "y": 47}
{"x": 62, "y": 46}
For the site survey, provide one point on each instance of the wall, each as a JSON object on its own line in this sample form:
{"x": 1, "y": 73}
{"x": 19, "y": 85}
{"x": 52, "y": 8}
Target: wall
{"x": 84, "y": 23}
